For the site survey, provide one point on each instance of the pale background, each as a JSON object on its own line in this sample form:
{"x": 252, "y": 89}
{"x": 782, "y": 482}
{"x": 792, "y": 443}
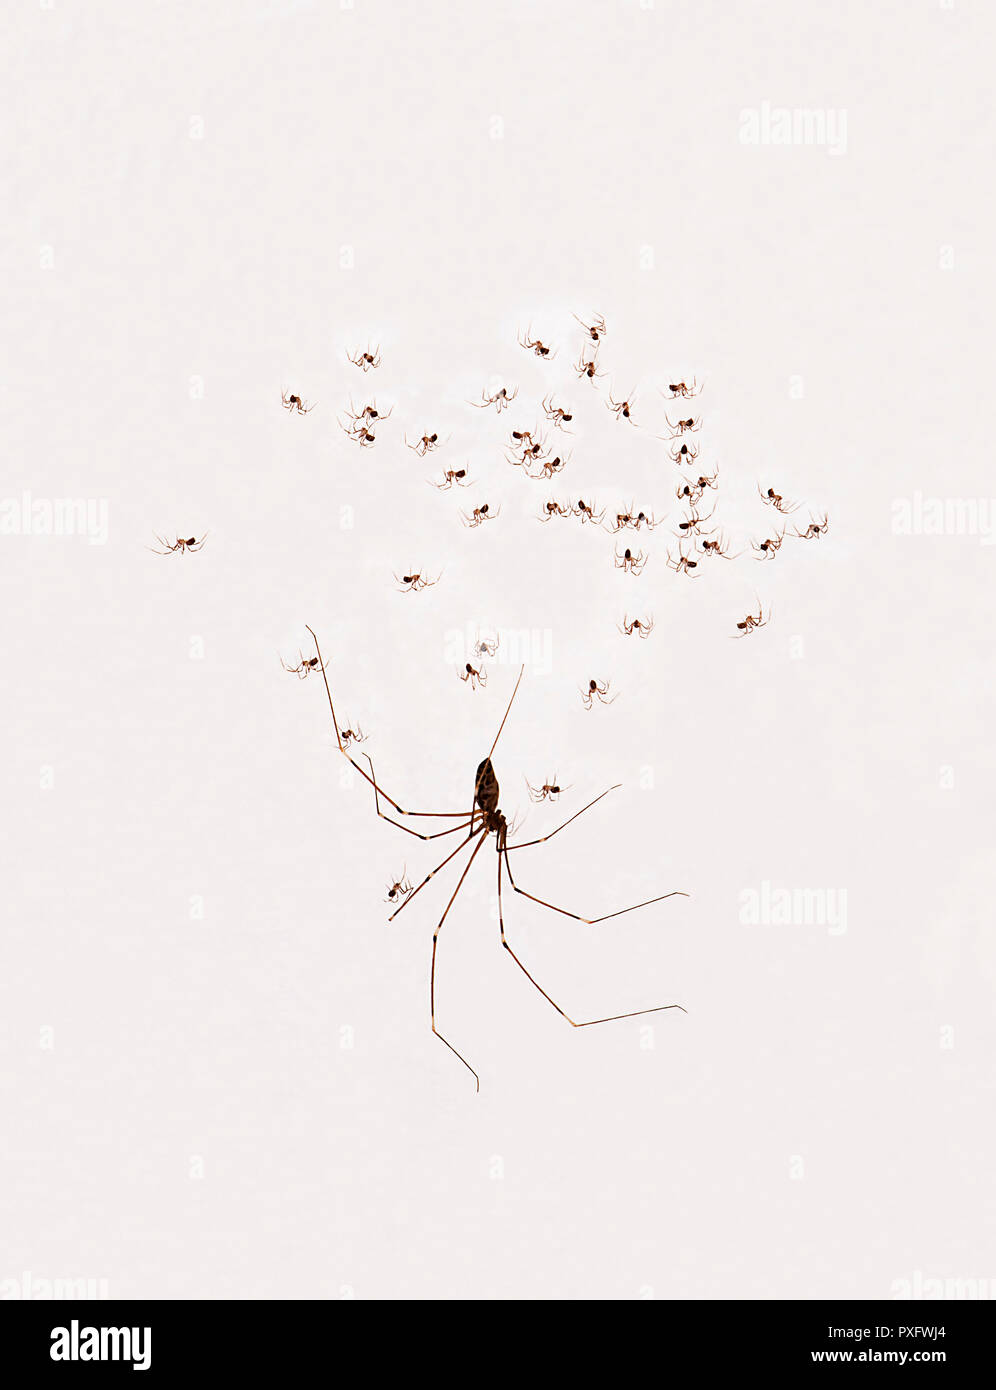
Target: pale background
{"x": 193, "y": 901}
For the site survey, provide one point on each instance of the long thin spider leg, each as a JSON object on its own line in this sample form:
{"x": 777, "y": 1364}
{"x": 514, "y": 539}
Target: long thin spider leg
{"x": 543, "y": 838}
{"x": 432, "y": 978}
{"x": 406, "y": 828}
{"x": 589, "y": 921}
{"x": 462, "y": 845}
{"x": 444, "y": 815}
{"x": 588, "y": 1023}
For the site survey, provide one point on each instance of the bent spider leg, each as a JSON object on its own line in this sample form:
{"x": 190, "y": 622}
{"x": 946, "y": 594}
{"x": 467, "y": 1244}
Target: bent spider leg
{"x": 406, "y": 828}
{"x": 542, "y": 840}
{"x": 432, "y": 977}
{"x": 590, "y": 921}
{"x": 444, "y": 815}
{"x": 588, "y": 1023}
{"x": 462, "y": 845}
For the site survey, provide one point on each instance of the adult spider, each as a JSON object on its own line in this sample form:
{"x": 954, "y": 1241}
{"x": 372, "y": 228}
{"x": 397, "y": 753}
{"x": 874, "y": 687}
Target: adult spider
{"x": 425, "y": 445}
{"x": 596, "y": 330}
{"x": 532, "y": 344}
{"x": 556, "y": 414}
{"x": 549, "y": 791}
{"x": 191, "y": 543}
{"x": 304, "y": 667}
{"x": 682, "y": 565}
{"x": 750, "y": 622}
{"x": 500, "y": 400}
{"x": 643, "y": 627}
{"x": 412, "y": 583}
{"x": 814, "y": 530}
{"x": 400, "y": 889}
{"x": 771, "y": 498}
{"x": 768, "y": 549}
{"x": 476, "y": 676}
{"x": 554, "y": 508}
{"x": 678, "y": 388}
{"x": 486, "y": 819}
{"x": 621, "y": 409}
{"x": 294, "y": 403}
{"x": 597, "y": 690}
{"x": 452, "y": 476}
{"x": 584, "y": 368}
{"x": 633, "y": 564}
{"x": 587, "y": 513}
{"x": 365, "y": 360}
{"x": 480, "y": 515}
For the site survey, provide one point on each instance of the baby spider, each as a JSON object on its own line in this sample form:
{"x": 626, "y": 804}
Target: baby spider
{"x": 529, "y": 454}
{"x": 587, "y": 513}
{"x": 556, "y": 414}
{"x": 532, "y": 344}
{"x": 365, "y": 360}
{"x": 628, "y": 519}
{"x": 399, "y": 890}
{"x": 486, "y": 646}
{"x": 351, "y": 735}
{"x": 586, "y": 368}
{"x": 678, "y": 388}
{"x": 451, "y": 476}
{"x": 368, "y": 414}
{"x": 682, "y": 453}
{"x": 304, "y": 667}
{"x": 596, "y": 330}
{"x": 633, "y": 564}
{"x": 474, "y": 675}
{"x": 750, "y": 622}
{"x": 548, "y": 467}
{"x": 412, "y": 583}
{"x": 480, "y": 515}
{"x": 522, "y": 439}
{"x": 553, "y": 508}
{"x": 358, "y": 431}
{"x": 719, "y": 547}
{"x": 768, "y": 549}
{"x": 500, "y": 400}
{"x": 294, "y": 403}
{"x": 689, "y": 492}
{"x": 771, "y": 498}
{"x": 549, "y": 791}
{"x": 643, "y": 627}
{"x": 814, "y": 530}
{"x": 191, "y": 543}
{"x": 425, "y": 445}
{"x": 621, "y": 409}
{"x": 689, "y": 426}
{"x": 597, "y": 690}
{"x": 692, "y": 526}
{"x": 682, "y": 564}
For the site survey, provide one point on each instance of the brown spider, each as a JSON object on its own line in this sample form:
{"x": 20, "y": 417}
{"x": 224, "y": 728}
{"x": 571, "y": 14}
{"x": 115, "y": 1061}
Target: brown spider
{"x": 682, "y": 453}
{"x": 692, "y": 526}
{"x": 480, "y": 515}
{"x": 532, "y": 344}
{"x": 678, "y": 388}
{"x": 690, "y": 492}
{"x": 597, "y": 690}
{"x": 474, "y": 675}
{"x": 814, "y": 530}
{"x": 452, "y": 476}
{"x": 643, "y": 627}
{"x": 689, "y": 426}
{"x": 587, "y": 513}
{"x": 500, "y": 400}
{"x": 549, "y": 467}
{"x": 368, "y": 414}
{"x": 425, "y": 445}
{"x": 304, "y": 668}
{"x": 633, "y": 564}
{"x": 294, "y": 403}
{"x": 626, "y": 520}
{"x": 412, "y": 583}
{"x": 358, "y": 430}
{"x": 768, "y": 549}
{"x": 399, "y": 890}
{"x": 349, "y": 736}
{"x": 554, "y": 508}
{"x": 621, "y": 409}
{"x": 682, "y": 565}
{"x": 750, "y": 622}
{"x": 771, "y": 498}
{"x": 191, "y": 543}
{"x": 549, "y": 791}
{"x": 522, "y": 439}
{"x": 556, "y": 414}
{"x": 365, "y": 360}
{"x": 586, "y": 368}
{"x": 596, "y": 330}
{"x": 719, "y": 547}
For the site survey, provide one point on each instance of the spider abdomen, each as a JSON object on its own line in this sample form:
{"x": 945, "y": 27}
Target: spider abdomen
{"x": 486, "y": 787}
